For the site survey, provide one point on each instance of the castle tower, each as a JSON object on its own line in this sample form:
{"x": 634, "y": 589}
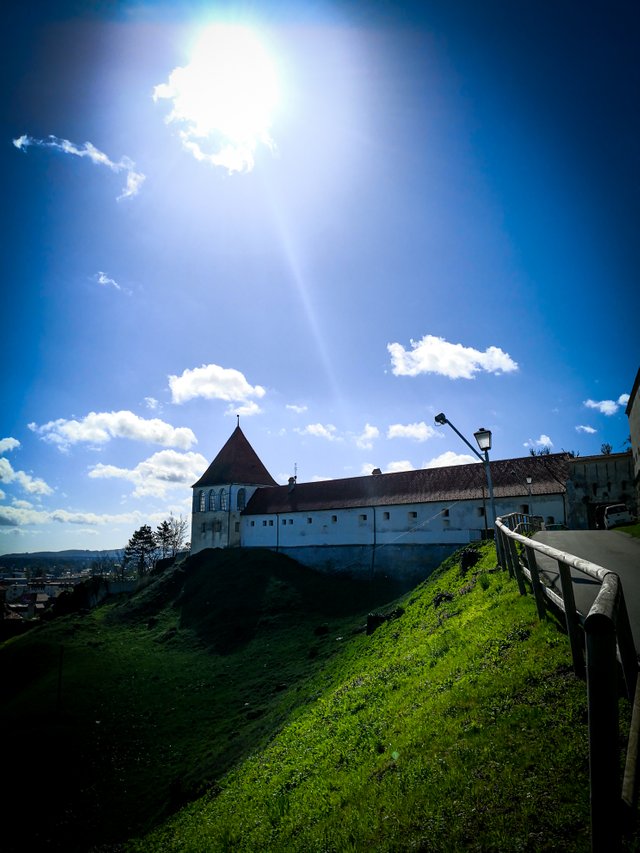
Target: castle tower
{"x": 220, "y": 495}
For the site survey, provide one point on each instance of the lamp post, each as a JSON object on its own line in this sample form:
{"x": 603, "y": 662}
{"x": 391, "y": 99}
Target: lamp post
{"x": 529, "y": 482}
{"x": 483, "y": 437}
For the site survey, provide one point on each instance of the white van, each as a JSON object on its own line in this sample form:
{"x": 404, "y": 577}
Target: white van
{"x": 616, "y": 514}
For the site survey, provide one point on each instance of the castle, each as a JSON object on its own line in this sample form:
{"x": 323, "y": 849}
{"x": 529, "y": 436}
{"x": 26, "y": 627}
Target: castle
{"x": 400, "y": 525}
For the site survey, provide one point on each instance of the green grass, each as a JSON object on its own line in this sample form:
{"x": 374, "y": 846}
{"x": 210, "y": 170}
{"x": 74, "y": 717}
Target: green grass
{"x": 631, "y": 530}
{"x": 239, "y": 705}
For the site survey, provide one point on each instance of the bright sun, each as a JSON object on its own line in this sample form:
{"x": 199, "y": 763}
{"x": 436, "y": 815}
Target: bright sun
{"x": 225, "y": 98}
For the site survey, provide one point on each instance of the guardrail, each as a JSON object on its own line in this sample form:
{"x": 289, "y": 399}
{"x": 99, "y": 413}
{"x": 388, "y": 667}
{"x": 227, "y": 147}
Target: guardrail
{"x": 602, "y": 647}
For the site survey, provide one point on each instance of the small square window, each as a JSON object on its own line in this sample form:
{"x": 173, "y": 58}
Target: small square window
{"x": 362, "y": 517}
{"x": 264, "y": 522}
{"x": 237, "y": 527}
{"x": 270, "y": 522}
{"x": 284, "y": 521}
{"x": 445, "y": 513}
{"x": 309, "y": 520}
{"x": 334, "y": 519}
{"x": 385, "y": 516}
{"x": 413, "y": 514}
{"x": 253, "y": 524}
{"x": 480, "y": 511}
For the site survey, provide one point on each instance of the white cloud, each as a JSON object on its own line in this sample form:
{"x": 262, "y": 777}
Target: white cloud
{"x": 165, "y": 470}
{"x": 223, "y": 100}
{"x": 2, "y": 495}
{"x": 11, "y": 516}
{"x": 101, "y": 427}
{"x": 450, "y": 458}
{"x": 607, "y": 407}
{"x": 21, "y": 504}
{"x": 8, "y": 444}
{"x": 365, "y": 440}
{"x": 543, "y": 441}
{"x": 134, "y": 180}
{"x": 103, "y": 279}
{"x": 327, "y": 431}
{"x": 213, "y": 383}
{"x": 245, "y": 409}
{"x": 435, "y": 355}
{"x": 393, "y": 467}
{"x": 400, "y": 465}
{"x": 31, "y": 485}
{"x": 318, "y": 478}
{"x": 418, "y": 431}
{"x": 151, "y": 403}
{"x": 588, "y": 429}
{"x": 297, "y": 409}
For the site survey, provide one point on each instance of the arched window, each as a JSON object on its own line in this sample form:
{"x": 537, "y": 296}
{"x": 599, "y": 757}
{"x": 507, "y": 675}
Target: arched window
{"x": 202, "y": 502}
{"x": 223, "y": 500}
{"x": 212, "y": 500}
{"x": 242, "y": 499}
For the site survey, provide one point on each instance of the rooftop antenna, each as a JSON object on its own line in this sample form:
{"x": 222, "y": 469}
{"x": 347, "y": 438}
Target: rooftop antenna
{"x": 295, "y": 470}
{"x": 238, "y": 417}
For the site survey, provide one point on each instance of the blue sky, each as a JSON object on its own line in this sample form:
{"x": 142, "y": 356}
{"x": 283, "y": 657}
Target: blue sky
{"x": 429, "y": 208}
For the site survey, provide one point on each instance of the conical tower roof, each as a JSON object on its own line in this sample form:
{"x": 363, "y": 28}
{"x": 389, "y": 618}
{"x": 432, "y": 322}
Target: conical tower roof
{"x": 237, "y": 462}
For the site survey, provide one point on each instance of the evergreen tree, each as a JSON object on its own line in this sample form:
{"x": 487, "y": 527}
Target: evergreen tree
{"x": 141, "y": 550}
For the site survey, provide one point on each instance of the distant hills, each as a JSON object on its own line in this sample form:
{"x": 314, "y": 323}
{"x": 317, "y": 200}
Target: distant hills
{"x": 78, "y": 556}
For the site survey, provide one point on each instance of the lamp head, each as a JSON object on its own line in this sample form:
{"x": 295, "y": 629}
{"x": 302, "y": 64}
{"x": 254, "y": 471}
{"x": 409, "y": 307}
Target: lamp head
{"x": 441, "y": 419}
{"x": 529, "y": 481}
{"x": 483, "y": 437}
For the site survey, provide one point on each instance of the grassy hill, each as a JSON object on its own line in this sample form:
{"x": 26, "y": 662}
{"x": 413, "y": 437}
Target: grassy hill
{"x": 238, "y": 703}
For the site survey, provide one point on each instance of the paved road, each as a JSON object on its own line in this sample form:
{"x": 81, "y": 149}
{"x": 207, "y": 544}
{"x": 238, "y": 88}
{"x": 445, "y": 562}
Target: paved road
{"x": 610, "y": 549}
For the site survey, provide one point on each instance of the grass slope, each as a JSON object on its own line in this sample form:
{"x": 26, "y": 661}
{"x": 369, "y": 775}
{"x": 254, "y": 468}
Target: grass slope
{"x": 237, "y": 704}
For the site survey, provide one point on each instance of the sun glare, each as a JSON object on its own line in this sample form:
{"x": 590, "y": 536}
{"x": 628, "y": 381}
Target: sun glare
{"x": 224, "y": 99}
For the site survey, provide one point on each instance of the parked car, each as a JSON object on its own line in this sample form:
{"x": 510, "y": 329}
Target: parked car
{"x": 614, "y": 515}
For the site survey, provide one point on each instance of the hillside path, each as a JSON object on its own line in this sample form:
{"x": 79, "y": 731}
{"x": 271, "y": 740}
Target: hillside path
{"x": 610, "y": 549}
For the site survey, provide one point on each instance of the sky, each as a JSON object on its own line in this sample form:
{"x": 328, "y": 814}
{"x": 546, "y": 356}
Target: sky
{"x": 333, "y": 219}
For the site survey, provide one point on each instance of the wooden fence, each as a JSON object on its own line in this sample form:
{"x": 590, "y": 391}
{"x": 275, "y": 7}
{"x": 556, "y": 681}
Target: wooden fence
{"x": 602, "y": 649}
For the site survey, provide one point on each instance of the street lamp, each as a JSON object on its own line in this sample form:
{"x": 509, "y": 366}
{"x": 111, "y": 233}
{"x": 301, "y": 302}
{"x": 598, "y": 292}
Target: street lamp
{"x": 483, "y": 437}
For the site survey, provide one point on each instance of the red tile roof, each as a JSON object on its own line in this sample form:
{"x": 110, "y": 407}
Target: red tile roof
{"x": 458, "y": 482}
{"x": 237, "y": 462}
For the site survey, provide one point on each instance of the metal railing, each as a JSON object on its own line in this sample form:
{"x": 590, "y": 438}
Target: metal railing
{"x": 602, "y": 647}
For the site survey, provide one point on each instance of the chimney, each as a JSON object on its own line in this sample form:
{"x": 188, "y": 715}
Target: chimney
{"x": 376, "y": 471}
{"x": 292, "y": 483}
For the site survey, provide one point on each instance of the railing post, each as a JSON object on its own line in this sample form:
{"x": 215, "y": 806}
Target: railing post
{"x": 602, "y": 699}
{"x": 571, "y": 618}
{"x": 522, "y": 588}
{"x": 626, "y": 647}
{"x": 538, "y": 592}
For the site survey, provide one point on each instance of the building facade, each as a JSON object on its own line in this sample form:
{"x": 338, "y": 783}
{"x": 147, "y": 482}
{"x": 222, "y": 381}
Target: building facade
{"x": 401, "y": 524}
{"x": 633, "y": 413}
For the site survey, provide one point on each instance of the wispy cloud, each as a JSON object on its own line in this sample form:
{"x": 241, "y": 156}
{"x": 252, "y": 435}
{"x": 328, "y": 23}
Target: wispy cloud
{"x": 435, "y": 355}
{"x": 299, "y": 410}
{"x": 217, "y": 383}
{"x": 543, "y": 441}
{"x": 588, "y": 429}
{"x": 162, "y": 471}
{"x": 134, "y": 180}
{"x": 106, "y": 281}
{"x": 607, "y": 407}
{"x": 100, "y": 427}
{"x": 8, "y": 444}
{"x": 418, "y": 431}
{"x": 327, "y": 431}
{"x": 31, "y": 485}
{"x": 366, "y": 438}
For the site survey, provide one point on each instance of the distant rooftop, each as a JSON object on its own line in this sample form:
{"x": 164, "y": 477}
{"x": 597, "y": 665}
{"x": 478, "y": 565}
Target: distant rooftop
{"x": 548, "y": 473}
